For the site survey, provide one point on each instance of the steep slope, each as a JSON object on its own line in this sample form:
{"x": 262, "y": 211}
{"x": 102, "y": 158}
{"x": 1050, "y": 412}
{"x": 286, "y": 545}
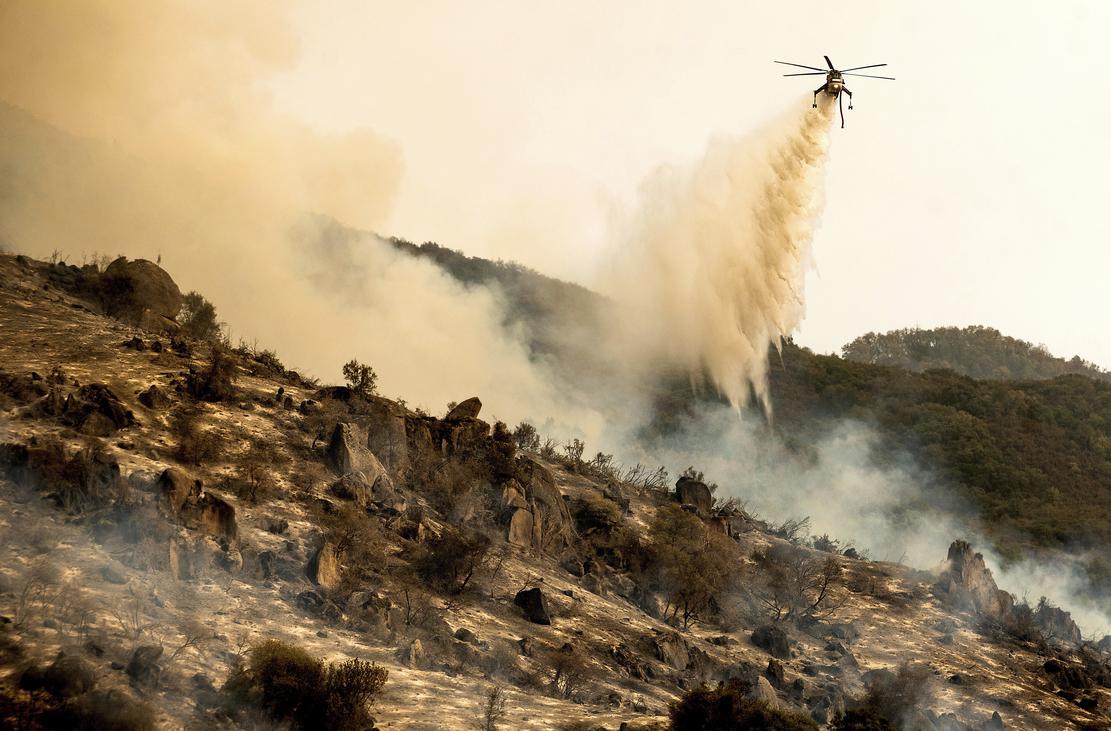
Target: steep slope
{"x": 320, "y": 518}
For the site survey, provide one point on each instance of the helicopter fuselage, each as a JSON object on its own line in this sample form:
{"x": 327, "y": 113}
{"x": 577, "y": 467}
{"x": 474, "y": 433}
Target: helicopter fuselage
{"x": 834, "y": 83}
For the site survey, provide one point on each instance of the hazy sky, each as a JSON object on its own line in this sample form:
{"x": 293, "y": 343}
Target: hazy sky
{"x": 971, "y": 190}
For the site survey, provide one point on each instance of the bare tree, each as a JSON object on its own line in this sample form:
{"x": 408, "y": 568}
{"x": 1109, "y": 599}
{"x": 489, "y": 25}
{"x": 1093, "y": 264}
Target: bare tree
{"x": 796, "y": 582}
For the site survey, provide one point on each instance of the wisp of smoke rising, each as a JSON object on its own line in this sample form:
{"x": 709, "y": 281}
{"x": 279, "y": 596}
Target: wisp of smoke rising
{"x": 712, "y": 269}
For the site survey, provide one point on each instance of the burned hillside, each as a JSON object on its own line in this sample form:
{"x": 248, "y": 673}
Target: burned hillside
{"x": 188, "y": 523}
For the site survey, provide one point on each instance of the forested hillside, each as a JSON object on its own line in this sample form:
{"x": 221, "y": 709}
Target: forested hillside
{"x": 976, "y": 351}
{"x": 1032, "y": 454}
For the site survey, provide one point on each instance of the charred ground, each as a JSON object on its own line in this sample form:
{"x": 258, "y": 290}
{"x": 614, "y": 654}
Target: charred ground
{"x": 199, "y": 537}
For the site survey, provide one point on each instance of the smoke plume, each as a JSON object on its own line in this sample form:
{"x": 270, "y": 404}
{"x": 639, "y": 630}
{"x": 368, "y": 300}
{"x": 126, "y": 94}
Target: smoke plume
{"x": 712, "y": 269}
{"x": 163, "y": 144}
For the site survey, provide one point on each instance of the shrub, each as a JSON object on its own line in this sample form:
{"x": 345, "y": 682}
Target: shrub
{"x": 293, "y": 686}
{"x": 361, "y": 378}
{"x": 568, "y": 671}
{"x": 728, "y": 707}
{"x": 596, "y": 514}
{"x": 888, "y": 698}
{"x": 862, "y": 719}
{"x": 99, "y": 710}
{"x": 252, "y": 480}
{"x": 198, "y": 319}
{"x": 217, "y": 382}
{"x": 195, "y": 444}
{"x": 493, "y": 710}
{"x": 453, "y": 560}
{"x": 691, "y": 565}
{"x": 526, "y": 437}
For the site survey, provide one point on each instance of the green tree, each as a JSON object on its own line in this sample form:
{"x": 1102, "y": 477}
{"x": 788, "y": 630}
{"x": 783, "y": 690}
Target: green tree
{"x": 361, "y": 378}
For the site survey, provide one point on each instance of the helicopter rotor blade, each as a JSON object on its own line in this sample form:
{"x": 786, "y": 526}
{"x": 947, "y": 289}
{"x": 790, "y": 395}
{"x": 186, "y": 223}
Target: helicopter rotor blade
{"x": 829, "y": 63}
{"x": 869, "y": 76}
{"x": 808, "y": 73}
{"x": 812, "y": 68}
{"x": 858, "y": 68}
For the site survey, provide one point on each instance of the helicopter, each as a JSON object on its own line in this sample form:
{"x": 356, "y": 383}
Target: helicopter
{"x": 835, "y": 81}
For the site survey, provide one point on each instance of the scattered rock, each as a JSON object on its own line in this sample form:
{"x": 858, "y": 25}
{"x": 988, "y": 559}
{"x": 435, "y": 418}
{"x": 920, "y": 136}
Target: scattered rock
{"x": 155, "y": 398}
{"x": 467, "y": 409}
{"x": 346, "y": 454}
{"x": 773, "y": 640}
{"x": 535, "y": 607}
{"x": 143, "y": 667}
{"x": 465, "y": 635}
{"x": 775, "y": 673}
{"x": 1056, "y": 622}
{"x": 309, "y": 407}
{"x": 95, "y": 410}
{"x": 995, "y": 723}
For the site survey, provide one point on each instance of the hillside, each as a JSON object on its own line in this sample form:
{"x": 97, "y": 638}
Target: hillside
{"x": 1023, "y": 452}
{"x": 171, "y": 506}
{"x": 975, "y": 351}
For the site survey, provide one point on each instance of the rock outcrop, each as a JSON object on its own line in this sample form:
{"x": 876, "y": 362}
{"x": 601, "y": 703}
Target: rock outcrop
{"x": 534, "y": 512}
{"x": 694, "y": 493}
{"x": 141, "y": 293}
{"x": 468, "y": 409}
{"x": 967, "y": 583}
{"x": 185, "y": 500}
{"x": 1057, "y": 623}
{"x": 347, "y": 453}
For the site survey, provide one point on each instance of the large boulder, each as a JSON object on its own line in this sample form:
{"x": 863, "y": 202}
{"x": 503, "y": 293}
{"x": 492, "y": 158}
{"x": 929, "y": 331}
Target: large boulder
{"x": 323, "y": 569}
{"x": 534, "y": 605}
{"x": 176, "y": 489}
{"x": 141, "y": 293}
{"x": 967, "y": 583}
{"x": 672, "y": 650}
{"x": 694, "y": 493}
{"x": 347, "y": 453}
{"x": 185, "y": 500}
{"x": 467, "y": 409}
{"x": 773, "y": 639}
{"x": 96, "y": 410}
{"x": 763, "y": 692}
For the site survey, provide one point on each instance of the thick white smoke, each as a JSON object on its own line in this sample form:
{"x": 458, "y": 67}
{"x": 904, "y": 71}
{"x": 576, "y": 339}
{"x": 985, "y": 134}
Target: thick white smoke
{"x": 711, "y": 269}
